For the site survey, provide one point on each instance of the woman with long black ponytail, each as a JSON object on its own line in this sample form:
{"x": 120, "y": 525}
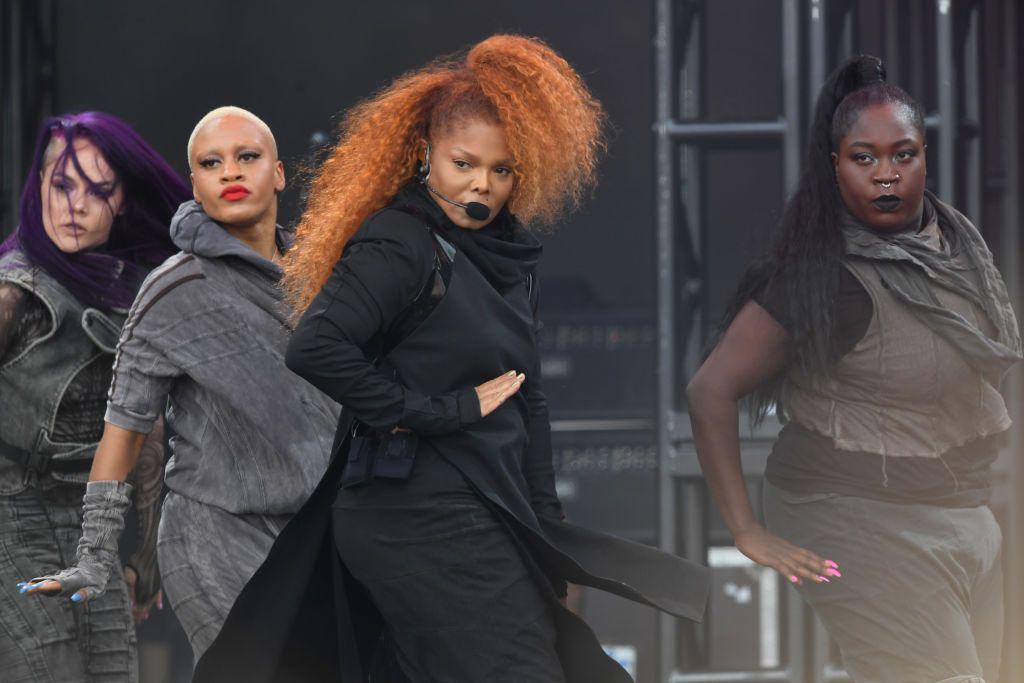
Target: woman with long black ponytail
{"x": 879, "y": 329}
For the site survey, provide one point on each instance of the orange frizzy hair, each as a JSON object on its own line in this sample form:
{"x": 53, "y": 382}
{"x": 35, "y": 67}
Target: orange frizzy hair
{"x": 553, "y": 127}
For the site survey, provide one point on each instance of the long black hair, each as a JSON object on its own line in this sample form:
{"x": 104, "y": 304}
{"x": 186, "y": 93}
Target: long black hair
{"x": 803, "y": 264}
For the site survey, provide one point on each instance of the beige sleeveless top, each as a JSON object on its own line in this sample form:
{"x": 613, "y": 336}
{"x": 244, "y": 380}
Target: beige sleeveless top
{"x": 903, "y": 390}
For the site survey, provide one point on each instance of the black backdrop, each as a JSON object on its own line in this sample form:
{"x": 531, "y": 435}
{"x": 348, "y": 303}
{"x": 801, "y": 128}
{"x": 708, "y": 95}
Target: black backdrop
{"x": 161, "y": 66}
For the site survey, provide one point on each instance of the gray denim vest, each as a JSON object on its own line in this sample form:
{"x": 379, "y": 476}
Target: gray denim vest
{"x": 33, "y": 383}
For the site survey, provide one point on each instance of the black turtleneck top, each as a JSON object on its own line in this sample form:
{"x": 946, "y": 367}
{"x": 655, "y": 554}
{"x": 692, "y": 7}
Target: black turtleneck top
{"x": 385, "y": 268}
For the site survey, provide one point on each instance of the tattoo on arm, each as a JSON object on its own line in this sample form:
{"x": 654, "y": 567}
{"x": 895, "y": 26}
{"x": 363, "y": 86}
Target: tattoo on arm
{"x": 148, "y": 481}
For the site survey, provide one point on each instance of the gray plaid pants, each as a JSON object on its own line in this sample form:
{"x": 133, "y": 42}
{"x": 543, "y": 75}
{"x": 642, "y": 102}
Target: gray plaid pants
{"x": 53, "y": 639}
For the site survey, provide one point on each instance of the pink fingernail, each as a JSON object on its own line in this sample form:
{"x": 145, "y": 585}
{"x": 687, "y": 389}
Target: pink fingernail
{"x": 794, "y": 579}
{"x": 823, "y": 579}
{"x": 833, "y": 572}
{"x": 832, "y": 564}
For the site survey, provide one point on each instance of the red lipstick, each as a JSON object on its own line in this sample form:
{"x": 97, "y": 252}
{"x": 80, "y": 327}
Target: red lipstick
{"x": 234, "y": 193}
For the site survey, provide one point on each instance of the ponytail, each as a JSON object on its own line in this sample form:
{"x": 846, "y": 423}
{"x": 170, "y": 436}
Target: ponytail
{"x": 803, "y": 264}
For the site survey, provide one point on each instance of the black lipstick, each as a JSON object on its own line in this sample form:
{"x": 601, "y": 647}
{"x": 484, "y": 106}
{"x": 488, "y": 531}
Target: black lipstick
{"x": 887, "y": 202}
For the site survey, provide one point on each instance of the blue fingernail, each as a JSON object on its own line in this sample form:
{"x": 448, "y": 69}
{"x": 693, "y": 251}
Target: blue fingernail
{"x": 76, "y": 598}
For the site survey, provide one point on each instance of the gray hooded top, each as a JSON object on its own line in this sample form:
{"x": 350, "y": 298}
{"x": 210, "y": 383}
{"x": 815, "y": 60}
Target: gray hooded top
{"x": 206, "y": 338}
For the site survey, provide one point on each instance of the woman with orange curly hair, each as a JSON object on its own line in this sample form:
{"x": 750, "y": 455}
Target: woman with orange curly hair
{"x": 435, "y": 548}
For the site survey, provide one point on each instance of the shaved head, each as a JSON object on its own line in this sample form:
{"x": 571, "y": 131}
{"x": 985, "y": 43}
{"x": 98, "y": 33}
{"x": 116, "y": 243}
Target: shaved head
{"x": 222, "y": 112}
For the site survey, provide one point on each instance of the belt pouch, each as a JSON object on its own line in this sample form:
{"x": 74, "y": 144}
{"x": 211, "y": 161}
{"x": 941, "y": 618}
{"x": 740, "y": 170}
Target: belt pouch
{"x": 396, "y": 456}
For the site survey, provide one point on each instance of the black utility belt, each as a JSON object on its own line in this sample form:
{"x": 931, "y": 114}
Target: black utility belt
{"x": 378, "y": 455}
{"x": 43, "y": 463}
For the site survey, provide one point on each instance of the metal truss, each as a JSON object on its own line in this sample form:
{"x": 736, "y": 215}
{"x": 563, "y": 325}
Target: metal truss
{"x": 807, "y": 33}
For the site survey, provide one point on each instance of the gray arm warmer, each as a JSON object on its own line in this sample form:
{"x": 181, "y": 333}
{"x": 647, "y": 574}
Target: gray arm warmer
{"x": 103, "y": 507}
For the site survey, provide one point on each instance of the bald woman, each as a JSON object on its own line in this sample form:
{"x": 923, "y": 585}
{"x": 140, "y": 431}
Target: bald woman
{"x": 204, "y": 342}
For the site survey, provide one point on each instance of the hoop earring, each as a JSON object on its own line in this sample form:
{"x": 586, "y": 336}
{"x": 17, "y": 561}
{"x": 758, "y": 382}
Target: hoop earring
{"x": 423, "y": 172}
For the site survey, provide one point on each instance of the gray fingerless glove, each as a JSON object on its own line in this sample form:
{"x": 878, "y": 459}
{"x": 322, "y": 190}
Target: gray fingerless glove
{"x": 103, "y": 510}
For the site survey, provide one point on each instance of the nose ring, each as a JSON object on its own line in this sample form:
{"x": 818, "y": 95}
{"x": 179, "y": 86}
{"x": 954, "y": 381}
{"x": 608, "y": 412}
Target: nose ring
{"x": 887, "y": 185}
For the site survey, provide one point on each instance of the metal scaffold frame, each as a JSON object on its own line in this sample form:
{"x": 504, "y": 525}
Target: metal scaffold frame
{"x": 679, "y": 136}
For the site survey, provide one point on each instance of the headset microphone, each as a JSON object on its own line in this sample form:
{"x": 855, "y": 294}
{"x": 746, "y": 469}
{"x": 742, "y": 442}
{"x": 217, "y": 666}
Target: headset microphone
{"x": 475, "y": 210}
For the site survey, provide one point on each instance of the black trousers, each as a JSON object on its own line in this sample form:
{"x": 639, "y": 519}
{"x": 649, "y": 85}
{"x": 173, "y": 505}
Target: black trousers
{"x": 457, "y": 598}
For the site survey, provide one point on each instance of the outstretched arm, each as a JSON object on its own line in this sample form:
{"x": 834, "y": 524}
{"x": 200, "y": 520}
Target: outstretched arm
{"x": 106, "y": 500}
{"x": 117, "y": 453}
{"x": 752, "y": 350}
{"x": 143, "y": 376}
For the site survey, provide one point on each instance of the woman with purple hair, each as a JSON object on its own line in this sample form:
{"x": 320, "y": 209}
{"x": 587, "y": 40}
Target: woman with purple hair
{"x": 94, "y": 221}
{"x": 203, "y": 347}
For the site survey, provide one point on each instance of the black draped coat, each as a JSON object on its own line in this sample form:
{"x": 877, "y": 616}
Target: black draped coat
{"x": 303, "y": 617}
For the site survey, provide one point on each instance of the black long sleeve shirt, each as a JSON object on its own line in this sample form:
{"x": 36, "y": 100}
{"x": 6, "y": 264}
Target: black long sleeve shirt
{"x": 385, "y": 267}
{"x": 383, "y": 270}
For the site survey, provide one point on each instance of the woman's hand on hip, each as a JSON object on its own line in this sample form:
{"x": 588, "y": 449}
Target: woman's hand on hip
{"x": 495, "y": 392}
{"x": 792, "y": 561}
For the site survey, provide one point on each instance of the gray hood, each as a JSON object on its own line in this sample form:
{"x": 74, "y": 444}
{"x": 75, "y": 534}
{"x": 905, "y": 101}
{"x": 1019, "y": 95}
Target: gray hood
{"x": 194, "y": 232}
